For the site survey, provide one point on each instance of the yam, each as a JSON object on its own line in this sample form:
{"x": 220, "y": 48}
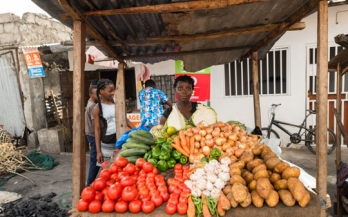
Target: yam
{"x": 227, "y": 189}
{"x": 280, "y": 167}
{"x": 233, "y": 158}
{"x": 248, "y": 176}
{"x": 273, "y": 199}
{"x": 233, "y": 203}
{"x": 286, "y": 197}
{"x": 238, "y": 164}
{"x": 247, "y": 157}
{"x": 256, "y": 199}
{"x": 274, "y": 177}
{"x": 263, "y": 187}
{"x": 291, "y": 172}
{"x": 246, "y": 202}
{"x": 261, "y": 174}
{"x": 239, "y": 192}
{"x": 265, "y": 151}
{"x": 235, "y": 171}
{"x": 252, "y": 185}
{"x": 259, "y": 167}
{"x": 257, "y": 150}
{"x": 281, "y": 184}
{"x": 296, "y": 188}
{"x": 305, "y": 200}
{"x": 269, "y": 155}
{"x": 252, "y": 164}
{"x": 269, "y": 173}
{"x": 237, "y": 179}
{"x": 271, "y": 163}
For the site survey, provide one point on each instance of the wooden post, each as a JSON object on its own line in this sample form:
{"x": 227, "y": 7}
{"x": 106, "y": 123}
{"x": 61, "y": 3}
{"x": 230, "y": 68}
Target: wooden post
{"x": 256, "y": 95}
{"x": 322, "y": 74}
{"x": 79, "y": 149}
{"x": 120, "y": 99}
{"x": 55, "y": 107}
{"x": 338, "y": 134}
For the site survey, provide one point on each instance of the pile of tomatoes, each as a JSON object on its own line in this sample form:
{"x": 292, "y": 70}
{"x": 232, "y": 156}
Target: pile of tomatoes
{"x": 178, "y": 191}
{"x": 125, "y": 186}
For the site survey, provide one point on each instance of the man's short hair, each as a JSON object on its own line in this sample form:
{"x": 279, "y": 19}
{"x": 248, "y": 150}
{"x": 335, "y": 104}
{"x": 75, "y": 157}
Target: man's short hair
{"x": 150, "y": 83}
{"x": 94, "y": 82}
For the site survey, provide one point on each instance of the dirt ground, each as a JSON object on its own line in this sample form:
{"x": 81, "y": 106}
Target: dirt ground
{"x": 59, "y": 179}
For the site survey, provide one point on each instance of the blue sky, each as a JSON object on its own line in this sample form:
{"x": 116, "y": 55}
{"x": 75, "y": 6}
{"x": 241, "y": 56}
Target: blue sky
{"x": 19, "y": 7}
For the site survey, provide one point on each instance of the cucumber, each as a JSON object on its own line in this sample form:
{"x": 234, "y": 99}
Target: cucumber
{"x": 132, "y": 140}
{"x": 133, "y": 159}
{"x": 142, "y": 136}
{"x": 136, "y": 145}
{"x": 133, "y": 152}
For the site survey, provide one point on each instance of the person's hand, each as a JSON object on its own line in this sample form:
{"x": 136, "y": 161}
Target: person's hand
{"x": 100, "y": 157}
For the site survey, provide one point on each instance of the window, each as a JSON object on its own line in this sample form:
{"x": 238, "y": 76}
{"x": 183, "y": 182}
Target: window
{"x": 165, "y": 83}
{"x": 273, "y": 73}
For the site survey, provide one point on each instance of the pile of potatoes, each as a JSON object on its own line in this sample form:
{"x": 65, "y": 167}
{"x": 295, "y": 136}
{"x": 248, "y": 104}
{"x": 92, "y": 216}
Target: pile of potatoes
{"x": 259, "y": 176}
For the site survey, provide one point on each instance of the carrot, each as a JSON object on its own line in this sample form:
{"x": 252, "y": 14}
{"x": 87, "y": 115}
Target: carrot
{"x": 191, "y": 211}
{"x": 225, "y": 203}
{"x": 188, "y": 142}
{"x": 182, "y": 138}
{"x": 177, "y": 141}
{"x": 205, "y": 208}
{"x": 192, "y": 144}
{"x": 220, "y": 210}
{"x": 180, "y": 149}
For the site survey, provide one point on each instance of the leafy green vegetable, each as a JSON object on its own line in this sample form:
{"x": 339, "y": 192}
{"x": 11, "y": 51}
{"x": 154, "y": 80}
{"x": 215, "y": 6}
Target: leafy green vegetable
{"x": 205, "y": 115}
{"x": 212, "y": 205}
{"x": 198, "y": 202}
{"x": 176, "y": 119}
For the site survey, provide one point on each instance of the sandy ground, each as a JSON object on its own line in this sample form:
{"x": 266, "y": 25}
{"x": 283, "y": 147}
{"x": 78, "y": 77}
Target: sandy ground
{"x": 59, "y": 179}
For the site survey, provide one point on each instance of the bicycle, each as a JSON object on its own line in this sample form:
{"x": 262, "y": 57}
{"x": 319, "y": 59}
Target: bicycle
{"x": 304, "y": 134}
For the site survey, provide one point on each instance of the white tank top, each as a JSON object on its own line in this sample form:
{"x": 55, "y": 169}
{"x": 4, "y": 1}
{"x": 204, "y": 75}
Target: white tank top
{"x": 109, "y": 115}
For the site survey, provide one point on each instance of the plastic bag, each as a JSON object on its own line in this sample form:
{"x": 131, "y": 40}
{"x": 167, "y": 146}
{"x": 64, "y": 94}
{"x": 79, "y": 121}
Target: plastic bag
{"x": 120, "y": 141}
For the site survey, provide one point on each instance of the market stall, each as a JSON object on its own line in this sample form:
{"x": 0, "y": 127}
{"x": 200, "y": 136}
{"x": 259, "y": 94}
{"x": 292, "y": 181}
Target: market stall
{"x": 254, "y": 34}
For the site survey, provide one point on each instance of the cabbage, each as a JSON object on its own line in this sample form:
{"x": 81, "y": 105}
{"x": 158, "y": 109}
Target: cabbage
{"x": 205, "y": 115}
{"x": 157, "y": 131}
{"x": 176, "y": 119}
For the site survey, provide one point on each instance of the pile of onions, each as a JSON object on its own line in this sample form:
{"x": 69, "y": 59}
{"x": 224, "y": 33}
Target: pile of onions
{"x": 228, "y": 138}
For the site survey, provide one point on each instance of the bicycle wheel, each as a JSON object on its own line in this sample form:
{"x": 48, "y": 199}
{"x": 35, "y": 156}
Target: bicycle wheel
{"x": 273, "y": 133}
{"x": 331, "y": 141}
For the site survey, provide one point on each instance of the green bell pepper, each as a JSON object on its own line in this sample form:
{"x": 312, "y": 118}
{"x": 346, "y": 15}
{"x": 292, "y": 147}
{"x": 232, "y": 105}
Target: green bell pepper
{"x": 160, "y": 140}
{"x": 171, "y": 162}
{"x": 215, "y": 153}
{"x": 162, "y": 165}
{"x": 210, "y": 159}
{"x": 164, "y": 155}
{"x": 176, "y": 154}
{"x": 156, "y": 153}
{"x": 183, "y": 160}
{"x": 153, "y": 162}
{"x": 204, "y": 159}
{"x": 166, "y": 147}
{"x": 148, "y": 155}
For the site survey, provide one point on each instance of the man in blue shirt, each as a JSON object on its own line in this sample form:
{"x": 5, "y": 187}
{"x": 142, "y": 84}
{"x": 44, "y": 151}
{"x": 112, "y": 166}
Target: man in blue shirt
{"x": 151, "y": 100}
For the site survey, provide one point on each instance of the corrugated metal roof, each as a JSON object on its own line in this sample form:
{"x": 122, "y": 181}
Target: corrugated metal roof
{"x": 11, "y": 111}
{"x": 153, "y": 27}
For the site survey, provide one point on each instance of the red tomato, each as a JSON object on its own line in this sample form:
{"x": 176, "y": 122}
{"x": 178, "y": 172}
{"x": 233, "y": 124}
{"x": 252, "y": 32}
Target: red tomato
{"x": 150, "y": 185}
{"x": 151, "y": 175}
{"x": 121, "y": 162}
{"x": 145, "y": 197}
{"x": 175, "y": 182}
{"x": 162, "y": 188}
{"x": 170, "y": 181}
{"x": 121, "y": 206}
{"x": 105, "y": 174}
{"x": 177, "y": 173}
{"x": 143, "y": 191}
{"x": 173, "y": 200}
{"x": 165, "y": 196}
{"x": 113, "y": 168}
{"x": 148, "y": 206}
{"x": 110, "y": 182}
{"x": 82, "y": 205}
{"x": 129, "y": 193}
{"x": 155, "y": 170}
{"x": 127, "y": 181}
{"x": 184, "y": 194}
{"x": 141, "y": 179}
{"x": 185, "y": 168}
{"x": 140, "y": 162}
{"x": 157, "y": 199}
{"x": 94, "y": 206}
{"x": 135, "y": 206}
{"x": 108, "y": 206}
{"x": 105, "y": 198}
{"x": 174, "y": 195}
{"x": 114, "y": 176}
{"x": 177, "y": 166}
{"x": 177, "y": 190}
{"x": 183, "y": 199}
{"x": 147, "y": 167}
{"x": 104, "y": 191}
{"x": 141, "y": 186}
{"x": 171, "y": 188}
{"x": 88, "y": 194}
{"x": 134, "y": 177}
{"x": 153, "y": 192}
{"x": 160, "y": 183}
{"x": 121, "y": 175}
{"x": 182, "y": 208}
{"x": 114, "y": 192}
{"x": 99, "y": 196}
{"x": 182, "y": 186}
{"x": 99, "y": 184}
{"x": 170, "y": 208}
{"x": 187, "y": 190}
{"x": 159, "y": 178}
{"x": 150, "y": 180}
{"x": 130, "y": 169}
{"x": 180, "y": 179}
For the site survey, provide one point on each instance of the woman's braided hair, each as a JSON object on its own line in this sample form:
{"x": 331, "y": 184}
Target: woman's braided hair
{"x": 102, "y": 83}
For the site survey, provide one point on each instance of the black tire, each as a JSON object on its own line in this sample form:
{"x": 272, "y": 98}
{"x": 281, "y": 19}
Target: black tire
{"x": 273, "y": 133}
{"x": 310, "y": 141}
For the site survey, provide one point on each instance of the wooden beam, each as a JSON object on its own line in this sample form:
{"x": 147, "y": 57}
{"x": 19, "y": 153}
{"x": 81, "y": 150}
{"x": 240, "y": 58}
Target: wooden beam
{"x": 120, "y": 99}
{"x": 235, "y": 31}
{"x": 322, "y": 81}
{"x": 130, "y": 43}
{"x": 345, "y": 70}
{"x": 302, "y": 12}
{"x": 256, "y": 94}
{"x": 342, "y": 40}
{"x": 168, "y": 8}
{"x": 77, "y": 15}
{"x": 79, "y": 151}
{"x": 338, "y": 135}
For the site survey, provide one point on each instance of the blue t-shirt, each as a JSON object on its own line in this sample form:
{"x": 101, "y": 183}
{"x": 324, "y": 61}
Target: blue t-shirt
{"x": 151, "y": 108}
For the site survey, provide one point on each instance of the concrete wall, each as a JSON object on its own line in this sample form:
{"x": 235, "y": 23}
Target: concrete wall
{"x": 34, "y": 30}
